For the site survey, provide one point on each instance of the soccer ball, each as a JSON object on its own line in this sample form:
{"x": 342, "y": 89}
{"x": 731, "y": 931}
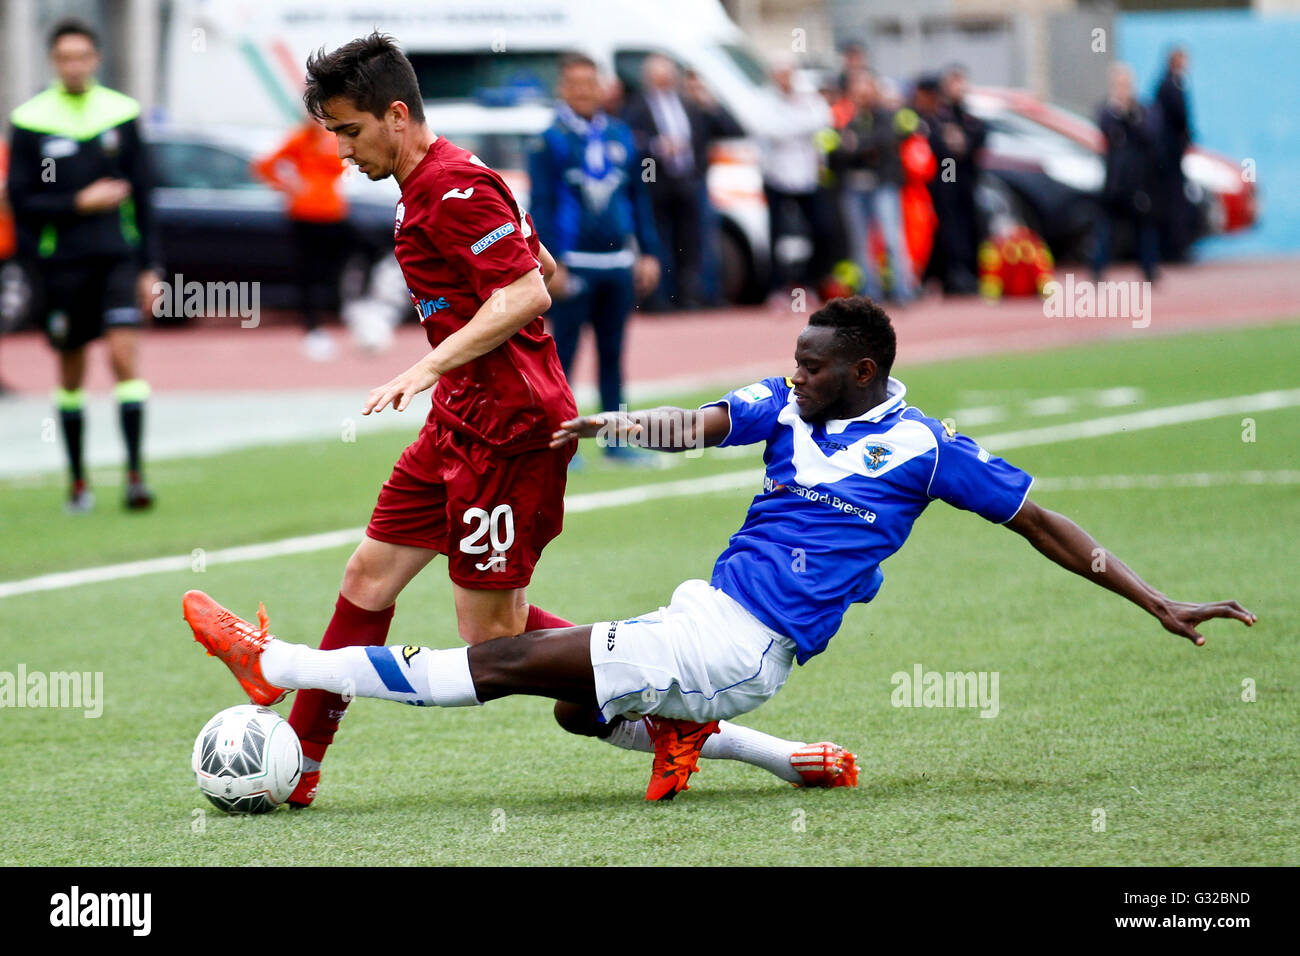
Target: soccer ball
{"x": 247, "y": 759}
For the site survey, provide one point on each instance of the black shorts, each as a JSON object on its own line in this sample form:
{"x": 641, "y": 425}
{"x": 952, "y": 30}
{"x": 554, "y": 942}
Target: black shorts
{"x": 82, "y": 299}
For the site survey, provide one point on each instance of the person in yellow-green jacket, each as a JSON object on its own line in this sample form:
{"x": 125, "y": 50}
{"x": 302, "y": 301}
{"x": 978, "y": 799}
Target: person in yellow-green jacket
{"x": 79, "y": 187}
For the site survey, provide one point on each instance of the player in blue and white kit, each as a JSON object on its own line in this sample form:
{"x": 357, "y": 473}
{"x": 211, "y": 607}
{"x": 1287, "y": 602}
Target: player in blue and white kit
{"x": 849, "y": 468}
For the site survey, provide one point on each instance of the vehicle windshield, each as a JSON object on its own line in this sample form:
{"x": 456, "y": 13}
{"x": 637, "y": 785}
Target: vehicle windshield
{"x": 486, "y": 76}
{"x": 749, "y": 64}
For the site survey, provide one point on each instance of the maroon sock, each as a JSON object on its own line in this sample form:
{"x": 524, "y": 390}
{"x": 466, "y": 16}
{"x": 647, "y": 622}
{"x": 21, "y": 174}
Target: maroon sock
{"x": 316, "y": 713}
{"x": 539, "y": 619}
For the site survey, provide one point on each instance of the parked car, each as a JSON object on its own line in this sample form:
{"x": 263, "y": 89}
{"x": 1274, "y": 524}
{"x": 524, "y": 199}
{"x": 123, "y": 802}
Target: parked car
{"x": 1052, "y": 160}
{"x": 217, "y": 222}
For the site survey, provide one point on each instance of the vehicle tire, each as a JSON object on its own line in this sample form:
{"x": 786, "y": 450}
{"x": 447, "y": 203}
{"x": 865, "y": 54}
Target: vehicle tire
{"x": 741, "y": 283}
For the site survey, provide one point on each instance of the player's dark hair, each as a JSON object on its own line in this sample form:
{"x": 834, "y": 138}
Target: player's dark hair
{"x": 73, "y": 28}
{"x": 862, "y": 329}
{"x": 573, "y": 58}
{"x": 371, "y": 71}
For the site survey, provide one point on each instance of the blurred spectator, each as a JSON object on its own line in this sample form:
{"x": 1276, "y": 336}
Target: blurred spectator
{"x": 1130, "y": 161}
{"x": 791, "y": 172}
{"x": 870, "y": 173}
{"x": 675, "y": 133}
{"x": 843, "y": 107}
{"x": 8, "y": 238}
{"x": 853, "y": 59}
{"x": 719, "y": 125}
{"x": 613, "y": 96}
{"x": 1175, "y": 213}
{"x": 307, "y": 169}
{"x": 80, "y": 189}
{"x": 919, "y": 168}
{"x": 593, "y": 210}
{"x": 956, "y": 137}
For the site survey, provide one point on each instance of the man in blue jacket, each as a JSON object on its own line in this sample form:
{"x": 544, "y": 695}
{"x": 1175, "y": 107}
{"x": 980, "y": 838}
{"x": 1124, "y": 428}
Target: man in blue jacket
{"x": 592, "y": 208}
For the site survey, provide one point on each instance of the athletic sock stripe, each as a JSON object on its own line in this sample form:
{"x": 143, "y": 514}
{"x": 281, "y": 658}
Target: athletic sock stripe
{"x": 382, "y": 661}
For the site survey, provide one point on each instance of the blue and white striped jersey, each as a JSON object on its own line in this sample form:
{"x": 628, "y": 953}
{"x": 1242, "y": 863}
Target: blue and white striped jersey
{"x": 839, "y": 498}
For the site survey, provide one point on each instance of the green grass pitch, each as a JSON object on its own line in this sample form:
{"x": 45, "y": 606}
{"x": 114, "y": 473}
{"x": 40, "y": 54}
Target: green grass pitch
{"x": 1100, "y": 709}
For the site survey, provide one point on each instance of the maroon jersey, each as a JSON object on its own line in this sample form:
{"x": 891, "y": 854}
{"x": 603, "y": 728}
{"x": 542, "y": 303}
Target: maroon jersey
{"x": 460, "y": 236}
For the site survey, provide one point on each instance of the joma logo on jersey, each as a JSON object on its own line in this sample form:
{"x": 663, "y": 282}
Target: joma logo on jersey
{"x": 426, "y": 307}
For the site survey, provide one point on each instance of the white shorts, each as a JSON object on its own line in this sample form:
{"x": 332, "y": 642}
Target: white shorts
{"x": 701, "y": 658}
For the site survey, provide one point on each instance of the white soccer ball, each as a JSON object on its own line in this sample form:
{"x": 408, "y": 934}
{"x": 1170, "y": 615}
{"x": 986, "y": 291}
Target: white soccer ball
{"x": 247, "y": 759}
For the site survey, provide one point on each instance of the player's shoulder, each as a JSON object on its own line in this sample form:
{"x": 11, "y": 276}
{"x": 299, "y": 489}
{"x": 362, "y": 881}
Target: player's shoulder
{"x": 938, "y": 428}
{"x": 454, "y": 173}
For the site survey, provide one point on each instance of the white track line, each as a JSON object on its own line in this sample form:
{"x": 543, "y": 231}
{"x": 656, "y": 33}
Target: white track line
{"x": 730, "y": 481}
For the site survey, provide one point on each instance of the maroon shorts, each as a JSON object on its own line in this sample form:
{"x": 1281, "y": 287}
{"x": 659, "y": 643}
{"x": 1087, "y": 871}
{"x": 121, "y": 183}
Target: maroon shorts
{"x": 490, "y": 515}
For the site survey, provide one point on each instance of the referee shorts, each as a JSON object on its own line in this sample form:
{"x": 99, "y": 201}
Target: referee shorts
{"x": 83, "y": 298}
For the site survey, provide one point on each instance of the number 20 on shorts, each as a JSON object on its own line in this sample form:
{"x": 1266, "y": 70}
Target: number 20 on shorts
{"x": 498, "y": 527}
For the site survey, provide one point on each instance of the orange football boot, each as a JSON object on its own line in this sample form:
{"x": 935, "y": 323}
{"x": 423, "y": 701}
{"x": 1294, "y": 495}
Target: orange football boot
{"x": 825, "y": 765}
{"x": 677, "y": 752}
{"x": 235, "y": 642}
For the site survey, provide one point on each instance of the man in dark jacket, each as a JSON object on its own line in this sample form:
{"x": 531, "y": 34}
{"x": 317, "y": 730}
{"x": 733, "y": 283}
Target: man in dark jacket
{"x": 1177, "y": 217}
{"x": 869, "y": 170}
{"x": 1127, "y": 196}
{"x": 79, "y": 186}
{"x": 676, "y": 133}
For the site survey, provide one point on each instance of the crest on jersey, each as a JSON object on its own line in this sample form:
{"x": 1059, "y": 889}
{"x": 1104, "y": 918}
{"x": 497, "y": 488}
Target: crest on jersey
{"x": 397, "y": 223}
{"x": 875, "y": 455}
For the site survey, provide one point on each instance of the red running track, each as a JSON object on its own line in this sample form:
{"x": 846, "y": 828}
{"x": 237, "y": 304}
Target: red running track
{"x": 710, "y": 347}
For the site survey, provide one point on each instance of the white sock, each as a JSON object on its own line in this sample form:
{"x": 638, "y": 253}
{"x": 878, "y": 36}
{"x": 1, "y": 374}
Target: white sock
{"x": 731, "y": 742}
{"x": 410, "y": 675}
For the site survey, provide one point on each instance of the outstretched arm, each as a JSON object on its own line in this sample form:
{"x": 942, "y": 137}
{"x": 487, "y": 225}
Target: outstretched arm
{"x": 660, "y": 429}
{"x": 1060, "y": 539}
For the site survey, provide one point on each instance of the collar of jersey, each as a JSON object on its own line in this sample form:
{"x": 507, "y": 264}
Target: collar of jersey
{"x": 78, "y": 116}
{"x": 895, "y": 393}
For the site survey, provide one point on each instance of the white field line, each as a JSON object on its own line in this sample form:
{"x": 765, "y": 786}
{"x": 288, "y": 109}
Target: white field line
{"x": 1138, "y": 421}
{"x": 1194, "y": 479}
{"x": 592, "y": 501}
{"x": 729, "y": 481}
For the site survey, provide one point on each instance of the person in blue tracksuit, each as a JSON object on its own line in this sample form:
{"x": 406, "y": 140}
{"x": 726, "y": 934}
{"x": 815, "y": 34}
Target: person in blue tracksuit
{"x": 592, "y": 208}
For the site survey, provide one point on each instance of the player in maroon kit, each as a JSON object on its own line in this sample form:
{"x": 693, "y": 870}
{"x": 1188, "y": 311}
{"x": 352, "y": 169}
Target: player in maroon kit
{"x": 480, "y": 484}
